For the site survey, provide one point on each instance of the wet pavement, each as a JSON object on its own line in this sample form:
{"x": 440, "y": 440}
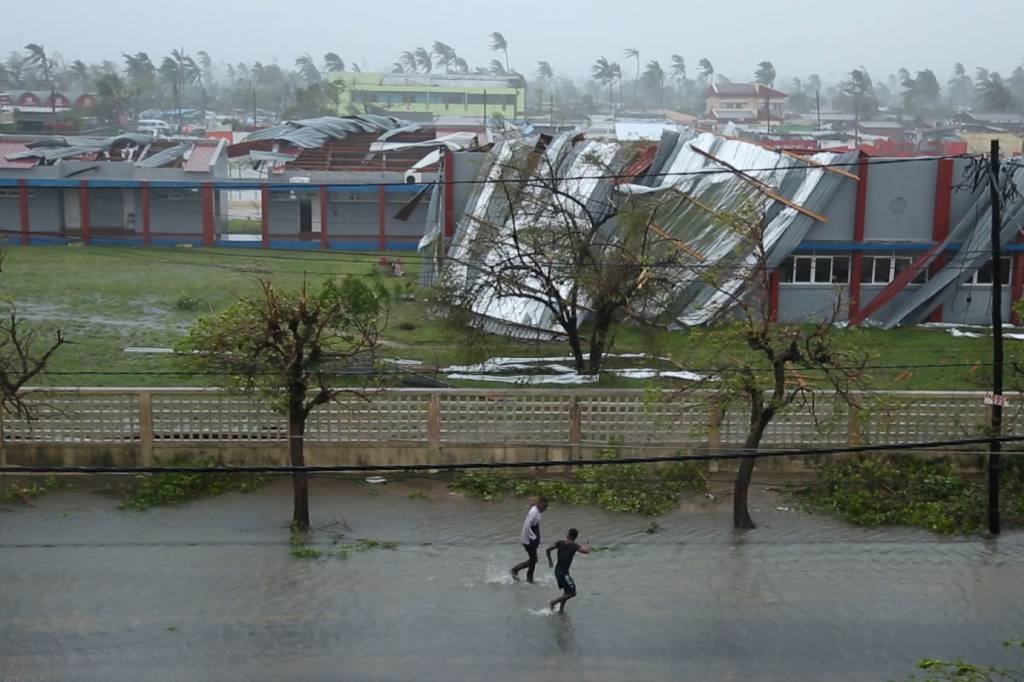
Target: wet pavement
{"x": 209, "y": 591}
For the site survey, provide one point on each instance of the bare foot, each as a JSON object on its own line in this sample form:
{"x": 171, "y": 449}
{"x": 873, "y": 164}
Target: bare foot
{"x": 515, "y": 576}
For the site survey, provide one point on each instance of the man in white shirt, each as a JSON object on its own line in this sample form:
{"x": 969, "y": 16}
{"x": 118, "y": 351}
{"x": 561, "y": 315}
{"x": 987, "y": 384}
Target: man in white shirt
{"x": 531, "y": 539}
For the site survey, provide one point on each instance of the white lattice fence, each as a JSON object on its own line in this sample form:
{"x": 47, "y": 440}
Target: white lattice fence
{"x": 214, "y": 416}
{"x": 377, "y": 417}
{"x": 638, "y": 419}
{"x": 511, "y": 417}
{"x": 62, "y": 417}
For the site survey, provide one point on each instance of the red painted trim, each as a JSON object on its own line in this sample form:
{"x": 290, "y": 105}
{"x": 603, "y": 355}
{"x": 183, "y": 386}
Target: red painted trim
{"x": 209, "y": 234}
{"x": 856, "y": 264}
{"x": 325, "y": 240}
{"x": 147, "y": 223}
{"x": 23, "y": 211}
{"x": 941, "y": 218}
{"x": 265, "y": 217}
{"x": 83, "y": 210}
{"x": 773, "y": 296}
{"x": 382, "y": 218}
{"x": 449, "y": 193}
{"x": 1016, "y": 284}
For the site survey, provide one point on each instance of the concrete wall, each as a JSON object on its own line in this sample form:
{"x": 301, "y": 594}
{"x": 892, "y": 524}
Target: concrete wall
{"x": 900, "y": 202}
{"x": 841, "y": 213}
{"x": 809, "y": 301}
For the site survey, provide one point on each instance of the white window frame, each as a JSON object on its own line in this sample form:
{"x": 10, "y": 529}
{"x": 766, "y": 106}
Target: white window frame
{"x": 816, "y": 258}
{"x": 894, "y": 269}
{"x": 1008, "y": 269}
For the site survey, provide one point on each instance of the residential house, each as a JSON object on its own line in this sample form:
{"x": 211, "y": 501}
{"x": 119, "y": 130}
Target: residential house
{"x": 744, "y": 102}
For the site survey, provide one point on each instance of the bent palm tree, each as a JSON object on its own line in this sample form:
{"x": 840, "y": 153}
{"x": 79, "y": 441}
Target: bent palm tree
{"x": 499, "y": 44}
{"x": 37, "y": 57}
{"x": 604, "y": 72}
{"x": 633, "y": 53}
{"x": 333, "y": 63}
{"x": 422, "y": 60}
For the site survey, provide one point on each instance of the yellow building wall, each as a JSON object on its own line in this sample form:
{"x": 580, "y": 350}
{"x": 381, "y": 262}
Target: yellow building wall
{"x": 981, "y": 143}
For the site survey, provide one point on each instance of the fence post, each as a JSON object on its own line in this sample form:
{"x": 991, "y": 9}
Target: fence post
{"x": 715, "y": 419}
{"x": 575, "y": 427}
{"x": 434, "y": 423}
{"x": 146, "y": 427}
{"x": 853, "y": 427}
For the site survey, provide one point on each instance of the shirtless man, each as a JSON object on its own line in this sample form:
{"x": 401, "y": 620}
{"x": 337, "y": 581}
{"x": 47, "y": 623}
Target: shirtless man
{"x": 567, "y": 549}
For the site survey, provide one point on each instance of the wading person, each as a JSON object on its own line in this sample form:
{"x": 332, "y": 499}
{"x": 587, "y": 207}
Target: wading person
{"x": 567, "y": 549}
{"x": 531, "y": 540}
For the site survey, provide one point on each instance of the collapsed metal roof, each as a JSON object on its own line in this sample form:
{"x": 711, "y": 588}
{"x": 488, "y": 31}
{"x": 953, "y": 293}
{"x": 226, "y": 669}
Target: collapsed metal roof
{"x": 312, "y": 133}
{"x": 692, "y": 174}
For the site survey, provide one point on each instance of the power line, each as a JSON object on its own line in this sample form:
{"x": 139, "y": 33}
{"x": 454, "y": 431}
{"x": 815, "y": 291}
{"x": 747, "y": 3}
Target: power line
{"x": 541, "y": 464}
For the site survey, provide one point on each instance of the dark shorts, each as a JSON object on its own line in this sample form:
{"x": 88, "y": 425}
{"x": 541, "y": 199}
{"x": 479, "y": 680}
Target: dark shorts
{"x": 566, "y": 583}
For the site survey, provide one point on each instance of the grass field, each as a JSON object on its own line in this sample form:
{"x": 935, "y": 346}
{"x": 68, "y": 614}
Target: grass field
{"x": 106, "y": 299}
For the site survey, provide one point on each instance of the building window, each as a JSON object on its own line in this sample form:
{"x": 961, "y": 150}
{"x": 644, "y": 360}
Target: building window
{"x": 885, "y": 269}
{"x": 175, "y": 194}
{"x": 983, "y": 275}
{"x": 815, "y": 269}
{"x": 15, "y": 193}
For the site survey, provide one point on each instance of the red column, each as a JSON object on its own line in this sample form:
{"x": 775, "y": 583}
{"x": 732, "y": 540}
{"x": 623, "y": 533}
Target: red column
{"x": 83, "y": 209}
{"x": 147, "y": 225}
{"x": 773, "y": 296}
{"x": 23, "y": 211}
{"x": 325, "y": 242}
{"x": 1017, "y": 281}
{"x": 941, "y": 218}
{"x": 209, "y": 236}
{"x": 265, "y": 216}
{"x": 449, "y": 193}
{"x": 859, "y": 222}
{"x": 382, "y": 218}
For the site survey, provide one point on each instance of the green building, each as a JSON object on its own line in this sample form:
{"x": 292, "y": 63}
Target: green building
{"x": 438, "y": 94}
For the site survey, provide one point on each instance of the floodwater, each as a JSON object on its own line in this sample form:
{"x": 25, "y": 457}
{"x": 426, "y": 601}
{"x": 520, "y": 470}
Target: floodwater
{"x": 209, "y": 592}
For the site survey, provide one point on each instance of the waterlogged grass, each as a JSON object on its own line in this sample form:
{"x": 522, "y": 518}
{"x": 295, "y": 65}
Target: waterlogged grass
{"x": 25, "y": 493}
{"x": 628, "y": 488}
{"x": 301, "y": 550}
{"x": 907, "y": 491}
{"x": 159, "y": 490}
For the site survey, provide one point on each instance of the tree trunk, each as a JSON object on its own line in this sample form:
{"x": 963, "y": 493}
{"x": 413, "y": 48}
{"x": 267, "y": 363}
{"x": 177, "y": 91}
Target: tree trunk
{"x": 300, "y": 483}
{"x": 759, "y": 418}
{"x": 577, "y": 348}
{"x": 599, "y": 338}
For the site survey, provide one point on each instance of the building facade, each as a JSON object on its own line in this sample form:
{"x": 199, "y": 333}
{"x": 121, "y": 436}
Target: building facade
{"x": 438, "y": 94}
{"x": 744, "y": 102}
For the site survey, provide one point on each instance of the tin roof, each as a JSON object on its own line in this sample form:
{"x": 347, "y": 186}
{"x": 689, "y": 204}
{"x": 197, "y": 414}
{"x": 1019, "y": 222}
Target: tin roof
{"x": 14, "y": 148}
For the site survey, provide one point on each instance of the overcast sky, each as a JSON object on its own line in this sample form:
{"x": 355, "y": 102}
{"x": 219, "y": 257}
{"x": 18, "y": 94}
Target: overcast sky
{"x": 800, "y": 36}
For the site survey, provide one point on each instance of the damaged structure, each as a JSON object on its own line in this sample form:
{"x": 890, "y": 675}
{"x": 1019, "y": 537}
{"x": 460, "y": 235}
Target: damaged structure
{"x": 894, "y": 241}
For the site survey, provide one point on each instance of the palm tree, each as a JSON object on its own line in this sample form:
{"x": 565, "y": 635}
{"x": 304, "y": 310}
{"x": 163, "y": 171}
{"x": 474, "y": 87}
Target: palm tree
{"x": 544, "y": 71}
{"x": 497, "y": 68}
{"x": 604, "y": 72}
{"x": 179, "y": 69}
{"x": 765, "y": 74}
{"x": 37, "y": 57}
{"x": 655, "y": 77}
{"x": 422, "y": 60}
{"x": 499, "y": 44}
{"x": 206, "y": 62}
{"x": 445, "y": 55}
{"x": 460, "y": 65}
{"x": 633, "y": 53}
{"x": 333, "y": 63}
{"x": 407, "y": 60}
{"x": 114, "y": 97}
{"x": 80, "y": 73}
{"x": 707, "y": 70}
{"x": 307, "y": 69}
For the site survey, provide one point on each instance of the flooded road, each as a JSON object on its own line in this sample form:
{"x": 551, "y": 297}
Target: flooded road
{"x": 209, "y": 592}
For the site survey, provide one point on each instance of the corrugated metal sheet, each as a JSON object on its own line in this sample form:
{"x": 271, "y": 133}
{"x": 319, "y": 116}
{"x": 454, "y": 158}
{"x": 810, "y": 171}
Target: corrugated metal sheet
{"x": 13, "y": 164}
{"x": 312, "y": 133}
{"x": 165, "y": 157}
{"x": 201, "y": 158}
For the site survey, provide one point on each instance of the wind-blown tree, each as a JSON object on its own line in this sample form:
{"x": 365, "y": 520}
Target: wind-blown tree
{"x": 1015, "y": 84}
{"x": 205, "y": 62}
{"x": 14, "y": 69}
{"x": 179, "y": 70}
{"x": 861, "y": 91}
{"x": 422, "y": 60}
{"x": 499, "y": 44}
{"x": 115, "y": 98}
{"x": 921, "y": 94}
{"x": 288, "y": 347}
{"x": 445, "y": 55}
{"x": 497, "y": 68}
{"x": 767, "y": 366}
{"x": 37, "y": 57}
{"x": 557, "y": 250}
{"x": 707, "y": 70}
{"x": 307, "y": 69}
{"x": 141, "y": 73}
{"x": 605, "y": 73}
{"x": 765, "y": 74}
{"x": 406, "y": 62}
{"x": 634, "y": 53}
{"x": 654, "y": 78}
{"x": 333, "y": 63}
{"x": 545, "y": 72}
{"x": 79, "y": 74}
{"x": 460, "y": 65}
{"x": 992, "y": 93}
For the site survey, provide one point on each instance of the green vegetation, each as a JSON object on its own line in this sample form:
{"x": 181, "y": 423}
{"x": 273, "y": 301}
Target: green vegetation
{"x": 908, "y": 491}
{"x": 24, "y": 493}
{"x": 959, "y": 670}
{"x": 157, "y": 490}
{"x": 135, "y": 297}
{"x": 628, "y": 488}
{"x": 417, "y": 495}
{"x": 301, "y": 550}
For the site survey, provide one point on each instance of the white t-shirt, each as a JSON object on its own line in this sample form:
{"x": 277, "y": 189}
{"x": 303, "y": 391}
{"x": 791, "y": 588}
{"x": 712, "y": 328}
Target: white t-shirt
{"x": 531, "y": 526}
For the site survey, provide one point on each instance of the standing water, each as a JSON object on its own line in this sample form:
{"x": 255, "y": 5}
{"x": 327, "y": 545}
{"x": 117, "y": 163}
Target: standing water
{"x": 209, "y": 591}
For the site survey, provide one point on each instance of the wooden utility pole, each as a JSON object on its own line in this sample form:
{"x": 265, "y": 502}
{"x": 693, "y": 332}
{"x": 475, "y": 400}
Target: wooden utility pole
{"x": 995, "y": 447}
{"x": 817, "y": 104}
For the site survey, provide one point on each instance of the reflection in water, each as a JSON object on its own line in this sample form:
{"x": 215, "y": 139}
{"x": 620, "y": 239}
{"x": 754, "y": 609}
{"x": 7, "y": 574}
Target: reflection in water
{"x": 209, "y": 591}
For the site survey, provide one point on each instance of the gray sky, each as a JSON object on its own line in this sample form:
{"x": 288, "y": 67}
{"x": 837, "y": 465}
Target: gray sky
{"x": 799, "y": 36}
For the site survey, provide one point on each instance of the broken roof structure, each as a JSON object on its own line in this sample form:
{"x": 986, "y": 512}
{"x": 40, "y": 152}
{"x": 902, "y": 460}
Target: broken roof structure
{"x": 690, "y": 173}
{"x": 193, "y": 155}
